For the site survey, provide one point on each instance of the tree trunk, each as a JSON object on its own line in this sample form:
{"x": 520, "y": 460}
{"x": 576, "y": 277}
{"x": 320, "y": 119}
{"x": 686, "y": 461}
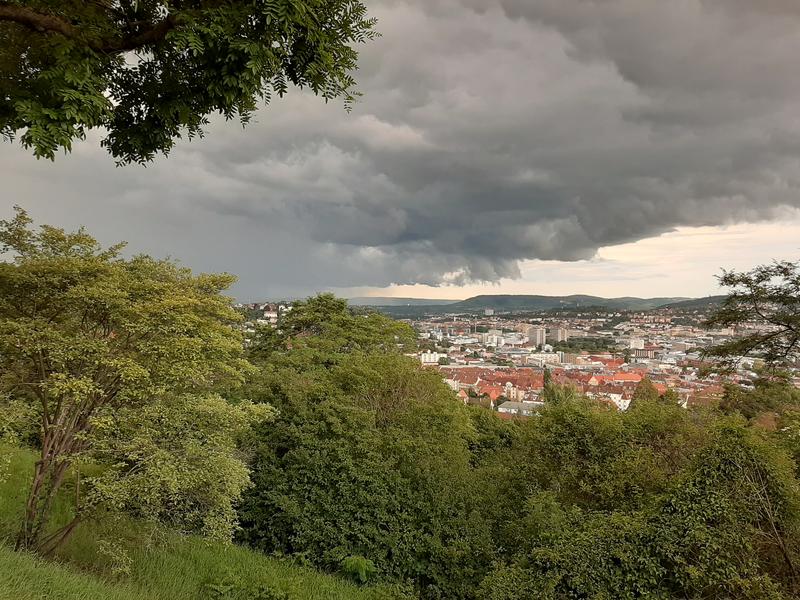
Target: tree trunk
{"x": 26, "y": 539}
{"x": 48, "y": 477}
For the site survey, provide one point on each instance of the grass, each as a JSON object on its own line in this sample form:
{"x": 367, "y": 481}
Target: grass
{"x": 26, "y": 577}
{"x": 126, "y": 560}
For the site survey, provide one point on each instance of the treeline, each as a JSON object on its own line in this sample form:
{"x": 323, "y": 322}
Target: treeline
{"x": 371, "y": 461}
{"x": 321, "y": 441}
{"x": 589, "y": 344}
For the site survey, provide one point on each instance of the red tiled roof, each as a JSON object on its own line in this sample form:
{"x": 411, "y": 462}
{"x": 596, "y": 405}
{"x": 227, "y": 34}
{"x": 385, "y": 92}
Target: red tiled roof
{"x": 622, "y": 376}
{"x": 493, "y": 391}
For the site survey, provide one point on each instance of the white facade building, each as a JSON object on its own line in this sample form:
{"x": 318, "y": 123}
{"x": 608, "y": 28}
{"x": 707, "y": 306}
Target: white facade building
{"x": 431, "y": 358}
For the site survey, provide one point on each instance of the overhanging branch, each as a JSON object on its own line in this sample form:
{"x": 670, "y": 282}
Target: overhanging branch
{"x": 37, "y": 21}
{"x": 150, "y": 36}
{"x": 47, "y": 23}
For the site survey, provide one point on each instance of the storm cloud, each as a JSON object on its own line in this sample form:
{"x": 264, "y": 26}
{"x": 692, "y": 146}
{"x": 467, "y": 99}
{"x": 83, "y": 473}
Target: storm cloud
{"x": 490, "y": 132}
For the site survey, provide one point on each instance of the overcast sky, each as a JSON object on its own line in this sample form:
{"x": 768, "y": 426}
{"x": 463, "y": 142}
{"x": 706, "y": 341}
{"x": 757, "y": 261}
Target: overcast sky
{"x": 611, "y": 147}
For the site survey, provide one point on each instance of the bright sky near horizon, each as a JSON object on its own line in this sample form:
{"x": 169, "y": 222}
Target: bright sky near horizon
{"x": 684, "y": 262}
{"x": 623, "y": 147}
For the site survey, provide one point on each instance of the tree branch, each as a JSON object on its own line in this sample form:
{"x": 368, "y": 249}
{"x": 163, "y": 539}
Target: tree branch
{"x": 46, "y": 23}
{"x": 37, "y": 21}
{"x": 150, "y": 36}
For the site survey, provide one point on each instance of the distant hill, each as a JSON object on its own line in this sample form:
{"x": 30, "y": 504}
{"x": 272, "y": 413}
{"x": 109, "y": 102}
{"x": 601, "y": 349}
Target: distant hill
{"x": 386, "y": 301}
{"x": 415, "y": 307}
{"x": 708, "y": 301}
{"x": 533, "y": 302}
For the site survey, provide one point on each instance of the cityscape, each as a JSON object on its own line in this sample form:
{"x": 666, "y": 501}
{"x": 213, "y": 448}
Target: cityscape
{"x": 499, "y": 359}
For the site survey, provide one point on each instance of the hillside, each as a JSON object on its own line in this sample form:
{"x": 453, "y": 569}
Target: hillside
{"x": 161, "y": 566}
{"x": 520, "y": 302}
{"x": 537, "y": 302}
{"x": 697, "y": 303}
{"x": 387, "y": 301}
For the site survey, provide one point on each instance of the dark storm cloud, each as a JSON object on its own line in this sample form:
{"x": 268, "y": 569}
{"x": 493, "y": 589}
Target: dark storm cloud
{"x": 491, "y": 131}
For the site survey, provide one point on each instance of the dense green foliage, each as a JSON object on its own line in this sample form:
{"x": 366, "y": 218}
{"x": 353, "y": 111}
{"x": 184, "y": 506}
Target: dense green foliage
{"x": 152, "y": 71}
{"x": 368, "y": 457}
{"x": 647, "y": 392}
{"x": 589, "y": 344}
{"x": 373, "y": 462}
{"x": 770, "y": 394}
{"x": 119, "y": 362}
{"x": 657, "y": 502}
{"x": 130, "y": 560}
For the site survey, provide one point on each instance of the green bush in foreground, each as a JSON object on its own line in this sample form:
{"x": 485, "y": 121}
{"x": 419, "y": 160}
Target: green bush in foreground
{"x": 161, "y": 565}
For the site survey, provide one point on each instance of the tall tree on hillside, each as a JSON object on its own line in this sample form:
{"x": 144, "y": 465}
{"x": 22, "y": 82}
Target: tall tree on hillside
{"x": 152, "y": 71}
{"x": 767, "y": 297}
{"x": 645, "y": 392}
{"x": 120, "y": 359}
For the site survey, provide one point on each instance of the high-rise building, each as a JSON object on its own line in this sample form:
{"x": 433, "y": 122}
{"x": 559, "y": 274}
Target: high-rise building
{"x": 537, "y": 335}
{"x": 559, "y": 334}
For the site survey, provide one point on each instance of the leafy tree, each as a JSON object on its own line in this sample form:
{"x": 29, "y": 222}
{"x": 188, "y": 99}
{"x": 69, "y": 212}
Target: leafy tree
{"x": 369, "y": 457}
{"x": 645, "y": 392}
{"x": 264, "y": 341}
{"x": 19, "y": 421}
{"x": 177, "y": 462}
{"x": 106, "y": 349}
{"x": 152, "y": 71}
{"x": 730, "y": 528}
{"x": 576, "y": 447}
{"x": 788, "y": 435}
{"x": 771, "y": 393}
{"x": 723, "y": 524}
{"x": 589, "y": 344}
{"x": 326, "y": 322}
{"x": 491, "y": 434}
{"x": 555, "y": 393}
{"x": 768, "y": 295}
{"x": 671, "y": 396}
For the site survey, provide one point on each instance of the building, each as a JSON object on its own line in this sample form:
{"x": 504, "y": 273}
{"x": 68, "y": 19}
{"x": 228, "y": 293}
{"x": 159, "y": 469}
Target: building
{"x": 489, "y": 312}
{"x": 431, "y": 358}
{"x": 537, "y": 335}
{"x": 544, "y": 358}
{"x": 636, "y": 344}
{"x": 519, "y": 409}
{"x": 559, "y": 334}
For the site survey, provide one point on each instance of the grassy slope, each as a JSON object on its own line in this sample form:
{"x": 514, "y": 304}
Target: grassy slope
{"x": 170, "y": 568}
{"x": 24, "y": 577}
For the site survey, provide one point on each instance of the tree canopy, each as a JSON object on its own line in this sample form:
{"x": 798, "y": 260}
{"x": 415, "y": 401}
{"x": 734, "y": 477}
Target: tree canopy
{"x": 153, "y": 71}
{"x": 368, "y": 458}
{"x": 326, "y": 326}
{"x": 121, "y": 362}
